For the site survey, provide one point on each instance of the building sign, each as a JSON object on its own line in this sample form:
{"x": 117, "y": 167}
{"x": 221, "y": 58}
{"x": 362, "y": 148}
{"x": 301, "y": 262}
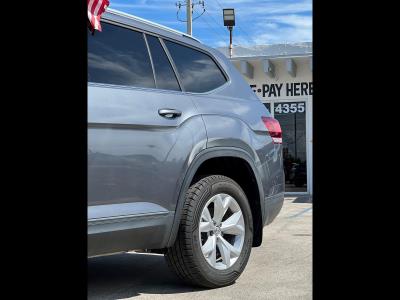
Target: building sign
{"x": 289, "y": 108}
{"x": 289, "y": 89}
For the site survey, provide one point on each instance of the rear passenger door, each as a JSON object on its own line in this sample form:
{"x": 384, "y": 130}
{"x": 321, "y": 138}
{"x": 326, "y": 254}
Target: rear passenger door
{"x": 136, "y": 115}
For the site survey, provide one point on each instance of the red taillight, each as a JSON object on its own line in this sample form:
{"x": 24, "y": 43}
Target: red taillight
{"x": 274, "y": 129}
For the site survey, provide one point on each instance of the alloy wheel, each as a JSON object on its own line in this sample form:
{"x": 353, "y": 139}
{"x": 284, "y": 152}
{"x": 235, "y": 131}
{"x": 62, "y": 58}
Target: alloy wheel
{"x": 221, "y": 231}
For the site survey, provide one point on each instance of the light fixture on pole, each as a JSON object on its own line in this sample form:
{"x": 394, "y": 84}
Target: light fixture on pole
{"x": 229, "y": 21}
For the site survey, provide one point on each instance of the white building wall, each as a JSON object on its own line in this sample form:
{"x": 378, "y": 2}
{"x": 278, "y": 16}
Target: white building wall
{"x": 303, "y": 75}
{"x": 282, "y": 78}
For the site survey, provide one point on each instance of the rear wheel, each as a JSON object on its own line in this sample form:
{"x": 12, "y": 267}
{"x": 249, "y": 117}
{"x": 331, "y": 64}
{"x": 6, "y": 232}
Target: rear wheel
{"x": 215, "y": 235}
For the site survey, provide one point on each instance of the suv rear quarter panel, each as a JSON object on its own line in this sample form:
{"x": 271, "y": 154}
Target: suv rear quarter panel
{"x": 232, "y": 116}
{"x": 225, "y": 125}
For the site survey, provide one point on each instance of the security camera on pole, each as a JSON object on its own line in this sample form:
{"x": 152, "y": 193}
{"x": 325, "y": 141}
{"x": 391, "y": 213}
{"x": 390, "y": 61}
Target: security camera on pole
{"x": 229, "y": 21}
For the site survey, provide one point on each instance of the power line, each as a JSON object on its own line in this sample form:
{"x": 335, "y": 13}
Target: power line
{"x": 209, "y": 26}
{"x": 216, "y": 30}
{"x": 218, "y": 24}
{"x": 219, "y": 4}
{"x": 179, "y": 5}
{"x": 215, "y": 21}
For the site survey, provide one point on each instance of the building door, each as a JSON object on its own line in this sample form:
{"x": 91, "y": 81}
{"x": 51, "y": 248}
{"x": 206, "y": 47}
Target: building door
{"x": 292, "y": 118}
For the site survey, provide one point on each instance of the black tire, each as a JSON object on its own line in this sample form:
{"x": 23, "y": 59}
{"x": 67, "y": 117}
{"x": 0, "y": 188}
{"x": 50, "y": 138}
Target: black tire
{"x": 185, "y": 257}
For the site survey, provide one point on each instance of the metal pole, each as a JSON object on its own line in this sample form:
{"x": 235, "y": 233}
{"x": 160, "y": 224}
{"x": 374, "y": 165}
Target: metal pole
{"x": 230, "y": 41}
{"x": 189, "y": 16}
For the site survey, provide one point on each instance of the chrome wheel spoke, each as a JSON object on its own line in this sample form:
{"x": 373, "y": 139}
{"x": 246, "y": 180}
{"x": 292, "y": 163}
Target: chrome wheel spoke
{"x": 212, "y": 230}
{"x": 227, "y": 202}
{"x": 209, "y": 249}
{"x": 206, "y": 226}
{"x": 213, "y": 256}
{"x": 234, "y": 224}
{"x": 225, "y": 253}
{"x": 206, "y": 215}
{"x": 218, "y": 209}
{"x": 209, "y": 245}
{"x": 232, "y": 250}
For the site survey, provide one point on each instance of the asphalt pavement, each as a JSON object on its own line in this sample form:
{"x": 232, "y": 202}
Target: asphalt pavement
{"x": 281, "y": 268}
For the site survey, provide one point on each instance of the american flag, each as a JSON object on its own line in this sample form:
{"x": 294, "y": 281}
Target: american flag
{"x": 95, "y": 10}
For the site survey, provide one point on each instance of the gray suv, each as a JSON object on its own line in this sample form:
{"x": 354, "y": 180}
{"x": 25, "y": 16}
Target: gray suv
{"x": 183, "y": 158}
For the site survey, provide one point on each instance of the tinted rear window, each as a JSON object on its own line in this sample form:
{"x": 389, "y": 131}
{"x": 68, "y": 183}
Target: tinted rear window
{"x": 197, "y": 71}
{"x": 119, "y": 56}
{"x": 165, "y": 76}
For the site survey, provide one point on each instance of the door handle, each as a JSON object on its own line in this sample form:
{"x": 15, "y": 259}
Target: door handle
{"x": 169, "y": 113}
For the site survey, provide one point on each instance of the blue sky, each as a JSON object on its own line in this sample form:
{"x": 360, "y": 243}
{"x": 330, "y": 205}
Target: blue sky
{"x": 258, "y": 22}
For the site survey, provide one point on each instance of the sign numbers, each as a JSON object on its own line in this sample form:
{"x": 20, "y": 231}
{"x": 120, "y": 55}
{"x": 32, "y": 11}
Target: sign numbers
{"x": 289, "y": 108}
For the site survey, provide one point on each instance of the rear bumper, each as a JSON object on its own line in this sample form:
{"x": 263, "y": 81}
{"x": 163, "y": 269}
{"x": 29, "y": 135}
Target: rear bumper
{"x": 272, "y": 207}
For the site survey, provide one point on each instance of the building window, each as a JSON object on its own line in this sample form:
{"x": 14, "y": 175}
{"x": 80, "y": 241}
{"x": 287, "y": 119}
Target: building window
{"x": 292, "y": 118}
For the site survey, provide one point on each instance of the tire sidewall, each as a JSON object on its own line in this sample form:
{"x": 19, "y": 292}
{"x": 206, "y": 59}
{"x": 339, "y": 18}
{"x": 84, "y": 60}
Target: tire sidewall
{"x": 226, "y": 186}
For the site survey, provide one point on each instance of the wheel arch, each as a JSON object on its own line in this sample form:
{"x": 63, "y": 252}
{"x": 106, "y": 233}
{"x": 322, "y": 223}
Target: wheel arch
{"x": 257, "y": 204}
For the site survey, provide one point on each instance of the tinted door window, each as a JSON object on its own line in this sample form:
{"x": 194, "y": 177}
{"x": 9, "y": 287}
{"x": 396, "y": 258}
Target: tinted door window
{"x": 119, "y": 56}
{"x": 165, "y": 76}
{"x": 197, "y": 71}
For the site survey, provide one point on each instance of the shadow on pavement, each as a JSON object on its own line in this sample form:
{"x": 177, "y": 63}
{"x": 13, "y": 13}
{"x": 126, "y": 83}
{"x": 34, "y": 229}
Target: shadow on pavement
{"x": 129, "y": 275}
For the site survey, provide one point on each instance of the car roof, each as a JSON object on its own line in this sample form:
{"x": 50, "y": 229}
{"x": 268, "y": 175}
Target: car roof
{"x": 146, "y": 25}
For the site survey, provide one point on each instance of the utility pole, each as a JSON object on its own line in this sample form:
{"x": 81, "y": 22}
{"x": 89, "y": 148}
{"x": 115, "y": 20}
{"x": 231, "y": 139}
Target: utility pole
{"x": 189, "y": 10}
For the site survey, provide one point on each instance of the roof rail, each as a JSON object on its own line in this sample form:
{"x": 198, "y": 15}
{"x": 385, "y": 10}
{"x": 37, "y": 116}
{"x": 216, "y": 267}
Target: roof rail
{"x": 147, "y": 22}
